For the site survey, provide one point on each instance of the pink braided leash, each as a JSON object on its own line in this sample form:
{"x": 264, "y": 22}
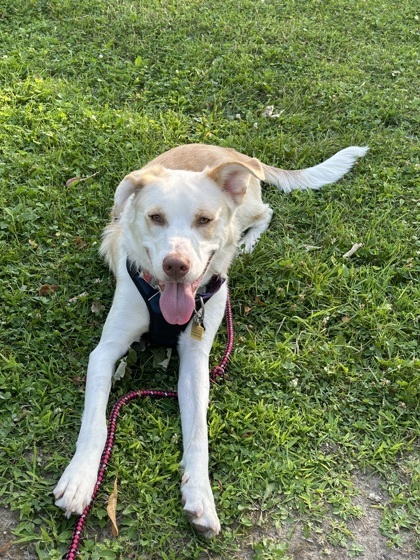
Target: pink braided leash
{"x": 215, "y": 375}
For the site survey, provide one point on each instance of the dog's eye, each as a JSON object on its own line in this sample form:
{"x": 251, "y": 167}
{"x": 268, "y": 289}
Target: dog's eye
{"x": 203, "y": 220}
{"x": 157, "y": 218}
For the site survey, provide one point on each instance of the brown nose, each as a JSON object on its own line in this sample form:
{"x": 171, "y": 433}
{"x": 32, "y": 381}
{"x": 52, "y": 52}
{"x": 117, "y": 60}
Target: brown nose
{"x": 176, "y": 266}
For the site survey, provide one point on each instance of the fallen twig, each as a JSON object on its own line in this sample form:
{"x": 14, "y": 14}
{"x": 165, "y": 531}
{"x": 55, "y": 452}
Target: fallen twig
{"x": 351, "y": 252}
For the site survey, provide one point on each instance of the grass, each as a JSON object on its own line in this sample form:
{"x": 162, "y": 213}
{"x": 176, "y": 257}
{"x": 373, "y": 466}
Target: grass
{"x": 324, "y": 380}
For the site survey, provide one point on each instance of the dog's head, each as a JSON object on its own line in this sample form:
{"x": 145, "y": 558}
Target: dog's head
{"x": 179, "y": 227}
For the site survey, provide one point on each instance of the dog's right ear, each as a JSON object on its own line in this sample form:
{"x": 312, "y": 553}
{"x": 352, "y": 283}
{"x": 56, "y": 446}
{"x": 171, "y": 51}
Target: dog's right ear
{"x": 132, "y": 183}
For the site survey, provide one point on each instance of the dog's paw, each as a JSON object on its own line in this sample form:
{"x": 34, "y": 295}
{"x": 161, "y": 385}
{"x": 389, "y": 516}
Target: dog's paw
{"x": 199, "y": 507}
{"x": 75, "y": 488}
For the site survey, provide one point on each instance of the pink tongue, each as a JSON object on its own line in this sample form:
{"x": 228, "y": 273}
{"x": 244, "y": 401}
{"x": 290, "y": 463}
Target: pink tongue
{"x": 177, "y": 303}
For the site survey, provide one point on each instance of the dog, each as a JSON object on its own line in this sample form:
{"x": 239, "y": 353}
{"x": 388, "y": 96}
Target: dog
{"x": 177, "y": 223}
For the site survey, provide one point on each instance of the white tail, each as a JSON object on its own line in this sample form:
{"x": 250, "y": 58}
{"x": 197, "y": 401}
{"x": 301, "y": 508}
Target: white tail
{"x": 315, "y": 177}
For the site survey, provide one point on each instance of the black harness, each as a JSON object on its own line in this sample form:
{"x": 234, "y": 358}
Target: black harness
{"x": 162, "y": 333}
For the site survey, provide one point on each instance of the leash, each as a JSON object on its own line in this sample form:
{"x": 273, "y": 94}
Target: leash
{"x": 216, "y": 375}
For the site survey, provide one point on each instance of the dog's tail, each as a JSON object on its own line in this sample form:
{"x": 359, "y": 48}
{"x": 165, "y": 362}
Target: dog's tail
{"x": 315, "y": 177}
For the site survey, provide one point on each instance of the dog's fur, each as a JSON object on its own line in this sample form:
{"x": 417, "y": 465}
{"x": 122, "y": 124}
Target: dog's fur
{"x": 180, "y": 219}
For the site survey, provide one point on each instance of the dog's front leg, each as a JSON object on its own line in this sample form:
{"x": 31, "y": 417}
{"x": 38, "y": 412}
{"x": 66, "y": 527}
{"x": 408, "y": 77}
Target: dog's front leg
{"x": 128, "y": 319}
{"x": 193, "y": 396}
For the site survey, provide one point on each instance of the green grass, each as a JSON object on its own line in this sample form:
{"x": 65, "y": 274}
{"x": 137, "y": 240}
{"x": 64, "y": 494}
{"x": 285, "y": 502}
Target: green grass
{"x": 324, "y": 380}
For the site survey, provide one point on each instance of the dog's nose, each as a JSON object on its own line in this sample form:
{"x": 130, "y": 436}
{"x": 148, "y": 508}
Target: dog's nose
{"x": 176, "y": 266}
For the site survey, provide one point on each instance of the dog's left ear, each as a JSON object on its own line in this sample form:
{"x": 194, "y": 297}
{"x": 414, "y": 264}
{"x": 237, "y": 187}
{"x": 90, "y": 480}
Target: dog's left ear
{"x": 133, "y": 183}
{"x": 233, "y": 177}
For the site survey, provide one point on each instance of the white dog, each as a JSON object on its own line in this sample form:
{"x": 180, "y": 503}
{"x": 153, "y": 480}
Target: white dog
{"x": 177, "y": 224}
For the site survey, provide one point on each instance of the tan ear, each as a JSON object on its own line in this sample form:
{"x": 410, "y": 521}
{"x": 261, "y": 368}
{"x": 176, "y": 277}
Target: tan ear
{"x": 233, "y": 177}
{"x": 133, "y": 183}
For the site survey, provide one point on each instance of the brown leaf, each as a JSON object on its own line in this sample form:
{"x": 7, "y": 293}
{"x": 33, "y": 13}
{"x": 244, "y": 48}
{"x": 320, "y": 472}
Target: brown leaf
{"x": 78, "y": 241}
{"x": 71, "y": 181}
{"x": 5, "y": 547}
{"x": 247, "y": 309}
{"x": 111, "y": 509}
{"x": 75, "y": 180}
{"x": 47, "y": 289}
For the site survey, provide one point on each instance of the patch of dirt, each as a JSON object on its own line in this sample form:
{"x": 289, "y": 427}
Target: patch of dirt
{"x": 8, "y": 550}
{"x": 366, "y": 529}
{"x": 368, "y": 542}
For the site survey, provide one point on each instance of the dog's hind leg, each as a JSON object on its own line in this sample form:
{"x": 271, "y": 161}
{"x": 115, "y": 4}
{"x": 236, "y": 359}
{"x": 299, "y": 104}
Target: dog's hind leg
{"x": 128, "y": 319}
{"x": 254, "y": 231}
{"x": 193, "y": 396}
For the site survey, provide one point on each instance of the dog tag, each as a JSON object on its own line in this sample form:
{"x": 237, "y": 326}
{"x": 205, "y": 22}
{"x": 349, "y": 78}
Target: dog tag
{"x": 197, "y": 329}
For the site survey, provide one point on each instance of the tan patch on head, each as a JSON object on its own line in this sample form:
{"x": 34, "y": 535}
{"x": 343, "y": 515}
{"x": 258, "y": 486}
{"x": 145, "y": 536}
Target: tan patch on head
{"x": 199, "y": 157}
{"x": 132, "y": 183}
{"x": 141, "y": 178}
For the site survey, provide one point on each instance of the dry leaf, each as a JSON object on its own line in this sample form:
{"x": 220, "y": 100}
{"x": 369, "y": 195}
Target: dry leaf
{"x": 111, "y": 509}
{"x": 5, "y": 547}
{"x": 71, "y": 181}
{"x": 75, "y": 180}
{"x": 75, "y": 298}
{"x": 311, "y": 247}
{"x": 47, "y": 289}
{"x": 164, "y": 363}
{"x": 78, "y": 241}
{"x": 269, "y": 113}
{"x": 247, "y": 309}
{"x": 120, "y": 370}
{"x": 97, "y": 307}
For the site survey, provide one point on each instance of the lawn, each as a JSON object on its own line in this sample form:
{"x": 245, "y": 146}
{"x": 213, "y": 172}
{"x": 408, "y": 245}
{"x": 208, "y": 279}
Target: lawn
{"x": 321, "y": 402}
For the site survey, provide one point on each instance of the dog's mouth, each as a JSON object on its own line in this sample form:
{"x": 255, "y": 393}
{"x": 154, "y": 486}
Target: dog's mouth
{"x": 177, "y": 299}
